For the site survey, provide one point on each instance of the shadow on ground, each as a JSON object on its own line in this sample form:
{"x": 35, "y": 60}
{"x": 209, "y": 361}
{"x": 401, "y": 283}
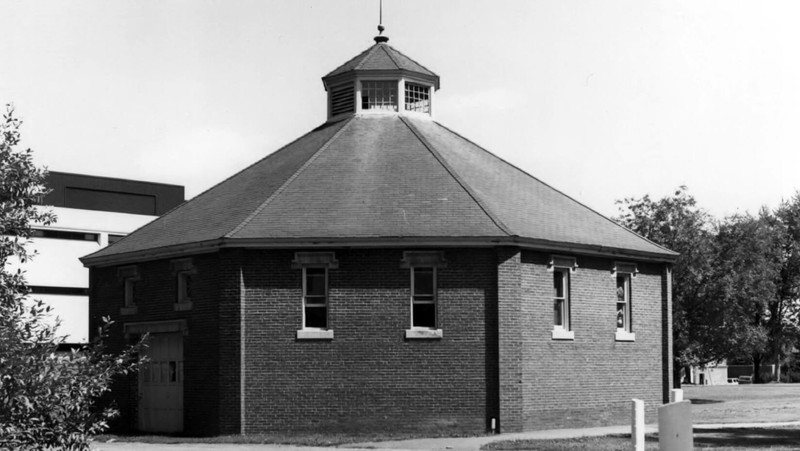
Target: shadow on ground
{"x": 705, "y": 401}
{"x": 746, "y": 438}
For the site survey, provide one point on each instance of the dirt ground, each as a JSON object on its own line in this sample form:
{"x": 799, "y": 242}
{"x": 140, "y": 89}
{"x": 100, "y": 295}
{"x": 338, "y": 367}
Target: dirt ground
{"x": 751, "y": 403}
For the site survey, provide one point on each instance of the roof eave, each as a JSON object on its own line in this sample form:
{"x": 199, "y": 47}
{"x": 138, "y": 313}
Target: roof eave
{"x": 374, "y": 242}
{"x": 352, "y": 74}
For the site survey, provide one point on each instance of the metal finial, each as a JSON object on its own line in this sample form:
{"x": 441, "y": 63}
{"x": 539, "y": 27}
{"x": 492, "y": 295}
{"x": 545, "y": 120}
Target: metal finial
{"x": 380, "y": 38}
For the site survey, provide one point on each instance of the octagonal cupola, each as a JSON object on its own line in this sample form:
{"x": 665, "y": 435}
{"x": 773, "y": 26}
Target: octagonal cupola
{"x": 380, "y": 80}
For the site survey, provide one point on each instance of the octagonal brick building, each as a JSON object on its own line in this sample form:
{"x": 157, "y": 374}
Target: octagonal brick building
{"x": 383, "y": 272}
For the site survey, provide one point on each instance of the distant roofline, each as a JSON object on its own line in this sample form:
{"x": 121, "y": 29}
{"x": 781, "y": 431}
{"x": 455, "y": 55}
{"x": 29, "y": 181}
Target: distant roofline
{"x": 215, "y": 245}
{"x": 116, "y": 179}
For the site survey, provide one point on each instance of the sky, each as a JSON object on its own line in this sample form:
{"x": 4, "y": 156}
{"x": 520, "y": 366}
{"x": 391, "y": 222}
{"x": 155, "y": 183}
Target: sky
{"x": 603, "y": 100}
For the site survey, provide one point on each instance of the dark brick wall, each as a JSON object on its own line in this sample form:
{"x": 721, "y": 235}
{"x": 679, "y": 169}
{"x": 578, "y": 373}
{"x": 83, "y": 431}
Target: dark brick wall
{"x": 497, "y": 358}
{"x": 368, "y": 376}
{"x": 590, "y": 380}
{"x": 156, "y": 295}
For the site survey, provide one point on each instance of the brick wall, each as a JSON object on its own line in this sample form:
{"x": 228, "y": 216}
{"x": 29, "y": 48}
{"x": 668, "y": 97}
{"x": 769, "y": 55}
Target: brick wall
{"x": 497, "y": 358}
{"x": 156, "y": 295}
{"x": 590, "y": 380}
{"x": 369, "y": 377}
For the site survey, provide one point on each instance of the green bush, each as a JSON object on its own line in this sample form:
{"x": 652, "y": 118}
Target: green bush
{"x": 46, "y": 397}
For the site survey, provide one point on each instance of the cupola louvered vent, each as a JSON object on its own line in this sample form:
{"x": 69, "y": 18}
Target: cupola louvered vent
{"x": 343, "y": 99}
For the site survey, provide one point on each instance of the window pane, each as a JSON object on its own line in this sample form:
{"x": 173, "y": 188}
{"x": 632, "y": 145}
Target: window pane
{"x": 424, "y": 315}
{"x": 558, "y": 312}
{"x": 316, "y": 317}
{"x": 315, "y": 281}
{"x": 621, "y": 315}
{"x": 423, "y": 281}
{"x": 173, "y": 371}
{"x": 622, "y": 280}
{"x": 558, "y": 284}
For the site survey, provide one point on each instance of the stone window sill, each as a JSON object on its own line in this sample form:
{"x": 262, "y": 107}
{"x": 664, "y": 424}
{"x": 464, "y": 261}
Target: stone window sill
{"x": 424, "y": 334}
{"x": 131, "y": 310}
{"x": 623, "y": 335}
{"x": 315, "y": 334}
{"x": 182, "y": 306}
{"x": 560, "y": 334}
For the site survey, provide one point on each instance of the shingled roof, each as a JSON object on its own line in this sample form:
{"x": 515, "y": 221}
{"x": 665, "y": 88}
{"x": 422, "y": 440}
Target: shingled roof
{"x": 388, "y": 179}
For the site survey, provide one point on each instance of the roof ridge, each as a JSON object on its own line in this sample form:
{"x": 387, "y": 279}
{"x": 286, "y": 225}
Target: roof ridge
{"x": 410, "y": 59}
{"x": 455, "y": 176}
{"x": 389, "y": 54}
{"x": 555, "y": 189}
{"x": 288, "y": 181}
{"x": 367, "y": 54}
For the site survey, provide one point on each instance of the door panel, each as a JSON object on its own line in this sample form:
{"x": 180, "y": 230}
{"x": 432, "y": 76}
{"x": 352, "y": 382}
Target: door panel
{"x": 161, "y": 385}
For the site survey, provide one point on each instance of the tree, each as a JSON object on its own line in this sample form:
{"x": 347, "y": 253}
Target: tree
{"x": 784, "y": 311}
{"x": 676, "y": 223}
{"x": 747, "y": 270}
{"x": 46, "y": 397}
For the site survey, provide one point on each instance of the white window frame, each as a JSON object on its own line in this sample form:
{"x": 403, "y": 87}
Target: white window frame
{"x": 564, "y": 330}
{"x": 385, "y": 107}
{"x": 415, "y": 301}
{"x": 433, "y": 260}
{"x": 566, "y": 265}
{"x": 625, "y": 272}
{"x": 306, "y": 304}
{"x": 315, "y": 260}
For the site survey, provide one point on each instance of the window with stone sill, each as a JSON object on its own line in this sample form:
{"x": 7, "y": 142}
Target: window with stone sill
{"x": 424, "y": 267}
{"x": 379, "y": 95}
{"x": 183, "y": 269}
{"x": 562, "y": 267}
{"x": 129, "y": 275}
{"x": 624, "y": 274}
{"x": 314, "y": 279}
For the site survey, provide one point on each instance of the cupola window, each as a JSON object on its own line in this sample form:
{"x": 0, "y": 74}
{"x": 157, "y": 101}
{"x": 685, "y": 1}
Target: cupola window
{"x": 343, "y": 99}
{"x": 418, "y": 98}
{"x": 379, "y": 95}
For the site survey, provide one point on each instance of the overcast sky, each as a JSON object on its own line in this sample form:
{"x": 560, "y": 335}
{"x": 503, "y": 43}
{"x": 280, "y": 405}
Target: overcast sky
{"x": 600, "y": 99}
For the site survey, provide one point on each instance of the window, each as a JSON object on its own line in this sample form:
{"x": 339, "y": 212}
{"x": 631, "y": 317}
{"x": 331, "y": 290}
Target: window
{"x": 315, "y": 298}
{"x": 423, "y": 302}
{"x": 624, "y": 274}
{"x": 183, "y": 269}
{"x": 418, "y": 98}
{"x": 424, "y": 269}
{"x": 379, "y": 95}
{"x": 561, "y": 298}
{"x": 562, "y": 267}
{"x": 130, "y": 292}
{"x": 129, "y": 275}
{"x": 64, "y": 235}
{"x": 624, "y": 302}
{"x": 315, "y": 268}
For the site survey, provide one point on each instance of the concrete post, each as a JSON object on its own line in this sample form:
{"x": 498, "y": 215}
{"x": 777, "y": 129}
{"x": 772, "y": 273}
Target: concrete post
{"x": 676, "y": 395}
{"x": 637, "y": 425}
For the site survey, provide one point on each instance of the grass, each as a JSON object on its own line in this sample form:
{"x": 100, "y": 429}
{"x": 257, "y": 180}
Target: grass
{"x": 767, "y": 403}
{"x": 757, "y": 403}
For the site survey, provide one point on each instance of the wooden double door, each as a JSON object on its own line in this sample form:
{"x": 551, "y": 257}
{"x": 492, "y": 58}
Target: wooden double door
{"x": 161, "y": 384}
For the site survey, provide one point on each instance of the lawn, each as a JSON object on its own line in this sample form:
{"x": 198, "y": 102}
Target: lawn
{"x": 757, "y": 403}
{"x": 767, "y": 403}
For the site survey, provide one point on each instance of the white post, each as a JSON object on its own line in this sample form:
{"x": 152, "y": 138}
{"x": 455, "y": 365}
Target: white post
{"x": 637, "y": 425}
{"x": 676, "y": 395}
